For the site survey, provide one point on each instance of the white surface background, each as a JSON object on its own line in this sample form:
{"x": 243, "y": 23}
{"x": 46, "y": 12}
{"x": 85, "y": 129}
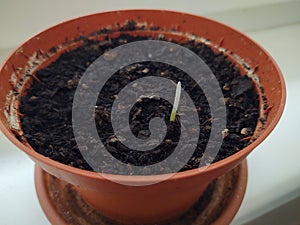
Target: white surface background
{"x": 273, "y": 192}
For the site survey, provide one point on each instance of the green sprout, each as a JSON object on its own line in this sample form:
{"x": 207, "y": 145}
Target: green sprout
{"x": 176, "y": 102}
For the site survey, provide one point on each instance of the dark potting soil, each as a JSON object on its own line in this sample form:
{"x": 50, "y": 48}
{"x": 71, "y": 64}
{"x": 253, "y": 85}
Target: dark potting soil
{"x": 47, "y": 107}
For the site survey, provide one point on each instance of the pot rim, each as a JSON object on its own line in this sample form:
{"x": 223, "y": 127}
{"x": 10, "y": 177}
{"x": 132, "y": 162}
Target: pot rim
{"x": 152, "y": 178}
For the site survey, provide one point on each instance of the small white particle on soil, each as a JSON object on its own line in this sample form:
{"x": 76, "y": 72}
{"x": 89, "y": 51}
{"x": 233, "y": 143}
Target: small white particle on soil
{"x": 109, "y": 56}
{"x": 146, "y": 70}
{"x": 246, "y": 131}
{"x": 225, "y": 132}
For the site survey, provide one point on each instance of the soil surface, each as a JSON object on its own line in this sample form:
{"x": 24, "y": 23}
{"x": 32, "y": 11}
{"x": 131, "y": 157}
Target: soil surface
{"x": 46, "y": 108}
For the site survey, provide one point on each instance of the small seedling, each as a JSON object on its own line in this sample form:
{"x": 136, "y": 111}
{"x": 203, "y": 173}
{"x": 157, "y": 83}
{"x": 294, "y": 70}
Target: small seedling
{"x": 176, "y": 102}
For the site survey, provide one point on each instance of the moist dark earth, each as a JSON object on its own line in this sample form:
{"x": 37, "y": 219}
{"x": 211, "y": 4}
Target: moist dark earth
{"x": 46, "y": 108}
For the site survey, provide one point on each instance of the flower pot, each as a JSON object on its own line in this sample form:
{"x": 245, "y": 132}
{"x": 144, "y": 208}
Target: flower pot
{"x": 138, "y": 203}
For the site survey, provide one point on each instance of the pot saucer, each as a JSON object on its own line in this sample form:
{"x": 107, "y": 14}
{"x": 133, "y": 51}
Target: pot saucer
{"x": 218, "y": 204}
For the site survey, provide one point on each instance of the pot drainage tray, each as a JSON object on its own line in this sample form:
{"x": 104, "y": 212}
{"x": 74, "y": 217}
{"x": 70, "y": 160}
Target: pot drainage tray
{"x": 218, "y": 204}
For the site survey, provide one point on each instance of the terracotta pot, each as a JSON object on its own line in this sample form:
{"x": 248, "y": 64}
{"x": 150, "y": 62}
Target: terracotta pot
{"x": 164, "y": 200}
